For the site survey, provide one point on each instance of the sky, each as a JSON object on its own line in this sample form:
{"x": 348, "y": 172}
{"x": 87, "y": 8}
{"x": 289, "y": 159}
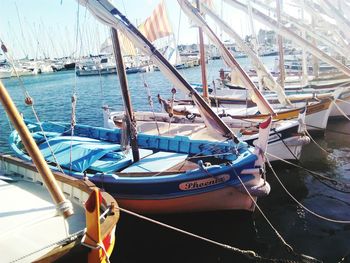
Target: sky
{"x": 48, "y": 28}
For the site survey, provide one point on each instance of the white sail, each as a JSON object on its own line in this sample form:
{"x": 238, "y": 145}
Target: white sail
{"x": 266, "y": 76}
{"x": 285, "y": 32}
{"x": 301, "y": 25}
{"x": 257, "y": 97}
{"x": 106, "y": 13}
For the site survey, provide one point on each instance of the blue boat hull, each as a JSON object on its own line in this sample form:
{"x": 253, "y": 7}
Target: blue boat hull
{"x": 203, "y": 188}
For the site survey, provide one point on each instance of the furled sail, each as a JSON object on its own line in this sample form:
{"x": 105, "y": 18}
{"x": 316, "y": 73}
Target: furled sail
{"x": 285, "y": 32}
{"x": 106, "y": 13}
{"x": 266, "y": 76}
{"x": 257, "y": 97}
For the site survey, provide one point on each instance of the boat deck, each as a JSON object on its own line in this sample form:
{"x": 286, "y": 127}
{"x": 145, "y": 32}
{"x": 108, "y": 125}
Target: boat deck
{"x": 28, "y": 219}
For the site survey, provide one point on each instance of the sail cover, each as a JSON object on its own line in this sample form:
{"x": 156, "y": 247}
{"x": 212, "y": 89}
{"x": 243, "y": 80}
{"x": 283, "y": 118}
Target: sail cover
{"x": 257, "y": 97}
{"x": 68, "y": 151}
{"x": 106, "y": 13}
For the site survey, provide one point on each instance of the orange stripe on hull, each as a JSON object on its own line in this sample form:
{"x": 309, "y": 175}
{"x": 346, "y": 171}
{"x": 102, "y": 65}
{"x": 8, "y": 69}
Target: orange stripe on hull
{"x": 228, "y": 198}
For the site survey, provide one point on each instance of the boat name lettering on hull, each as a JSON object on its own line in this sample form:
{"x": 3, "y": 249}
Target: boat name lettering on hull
{"x": 191, "y": 185}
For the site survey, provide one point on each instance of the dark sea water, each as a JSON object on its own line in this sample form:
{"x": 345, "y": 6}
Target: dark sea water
{"x": 140, "y": 241}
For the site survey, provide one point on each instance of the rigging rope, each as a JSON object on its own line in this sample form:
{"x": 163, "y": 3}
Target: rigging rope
{"x": 150, "y": 100}
{"x": 30, "y": 102}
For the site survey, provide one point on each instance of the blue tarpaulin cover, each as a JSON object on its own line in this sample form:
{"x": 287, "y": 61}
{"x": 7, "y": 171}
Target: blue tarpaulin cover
{"x": 82, "y": 152}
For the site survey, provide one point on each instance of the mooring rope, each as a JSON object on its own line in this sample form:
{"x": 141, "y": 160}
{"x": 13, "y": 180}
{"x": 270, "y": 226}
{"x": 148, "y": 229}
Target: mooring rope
{"x": 313, "y": 140}
{"x": 63, "y": 241}
{"x": 328, "y": 130}
{"x": 301, "y": 205}
{"x": 69, "y": 238}
{"x": 248, "y": 253}
{"x": 341, "y": 111}
{"x": 317, "y": 175}
{"x": 347, "y": 102}
{"x": 287, "y": 246}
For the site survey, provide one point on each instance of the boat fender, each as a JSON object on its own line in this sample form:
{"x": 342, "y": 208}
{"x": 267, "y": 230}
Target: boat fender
{"x": 203, "y": 166}
{"x": 298, "y": 141}
{"x": 257, "y": 190}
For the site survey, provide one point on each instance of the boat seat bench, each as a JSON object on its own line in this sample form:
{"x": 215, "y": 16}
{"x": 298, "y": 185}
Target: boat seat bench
{"x": 157, "y": 162}
{"x": 116, "y": 161}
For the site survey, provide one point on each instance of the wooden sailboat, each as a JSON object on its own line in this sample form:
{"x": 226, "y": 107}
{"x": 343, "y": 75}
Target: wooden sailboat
{"x": 174, "y": 174}
{"x": 316, "y": 118}
{"x": 319, "y": 86}
{"x": 155, "y": 123}
{"x": 38, "y": 223}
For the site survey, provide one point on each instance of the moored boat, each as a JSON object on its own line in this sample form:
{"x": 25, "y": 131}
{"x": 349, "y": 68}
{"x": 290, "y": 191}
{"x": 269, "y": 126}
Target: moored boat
{"x": 174, "y": 174}
{"x": 286, "y": 138}
{"x": 39, "y": 223}
{"x": 31, "y": 229}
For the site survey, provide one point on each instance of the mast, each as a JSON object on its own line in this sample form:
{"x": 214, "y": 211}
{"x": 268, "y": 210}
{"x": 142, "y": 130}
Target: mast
{"x": 282, "y": 30}
{"x": 282, "y": 74}
{"x": 130, "y": 120}
{"x": 254, "y": 42}
{"x": 202, "y": 60}
{"x": 304, "y": 79}
{"x": 315, "y": 65}
{"x": 64, "y": 206}
{"x": 340, "y": 48}
{"x": 257, "y": 97}
{"x": 266, "y": 76}
{"x": 333, "y": 12}
{"x": 106, "y": 13}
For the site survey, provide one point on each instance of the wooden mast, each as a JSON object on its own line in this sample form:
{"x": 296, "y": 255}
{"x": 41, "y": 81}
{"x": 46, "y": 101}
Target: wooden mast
{"x": 282, "y": 74}
{"x": 130, "y": 120}
{"x": 304, "y": 67}
{"x": 315, "y": 65}
{"x": 64, "y": 206}
{"x": 202, "y": 60}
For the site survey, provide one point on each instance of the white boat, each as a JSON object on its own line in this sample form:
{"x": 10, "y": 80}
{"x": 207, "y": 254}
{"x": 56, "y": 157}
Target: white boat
{"x": 5, "y": 73}
{"x": 286, "y": 138}
{"x": 31, "y": 229}
{"x": 43, "y": 216}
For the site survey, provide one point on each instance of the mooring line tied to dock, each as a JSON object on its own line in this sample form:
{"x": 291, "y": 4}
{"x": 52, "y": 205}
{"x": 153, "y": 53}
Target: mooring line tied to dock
{"x": 250, "y": 254}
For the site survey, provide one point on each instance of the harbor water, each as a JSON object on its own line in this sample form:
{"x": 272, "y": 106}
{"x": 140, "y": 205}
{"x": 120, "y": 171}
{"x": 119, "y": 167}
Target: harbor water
{"x": 141, "y": 241}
